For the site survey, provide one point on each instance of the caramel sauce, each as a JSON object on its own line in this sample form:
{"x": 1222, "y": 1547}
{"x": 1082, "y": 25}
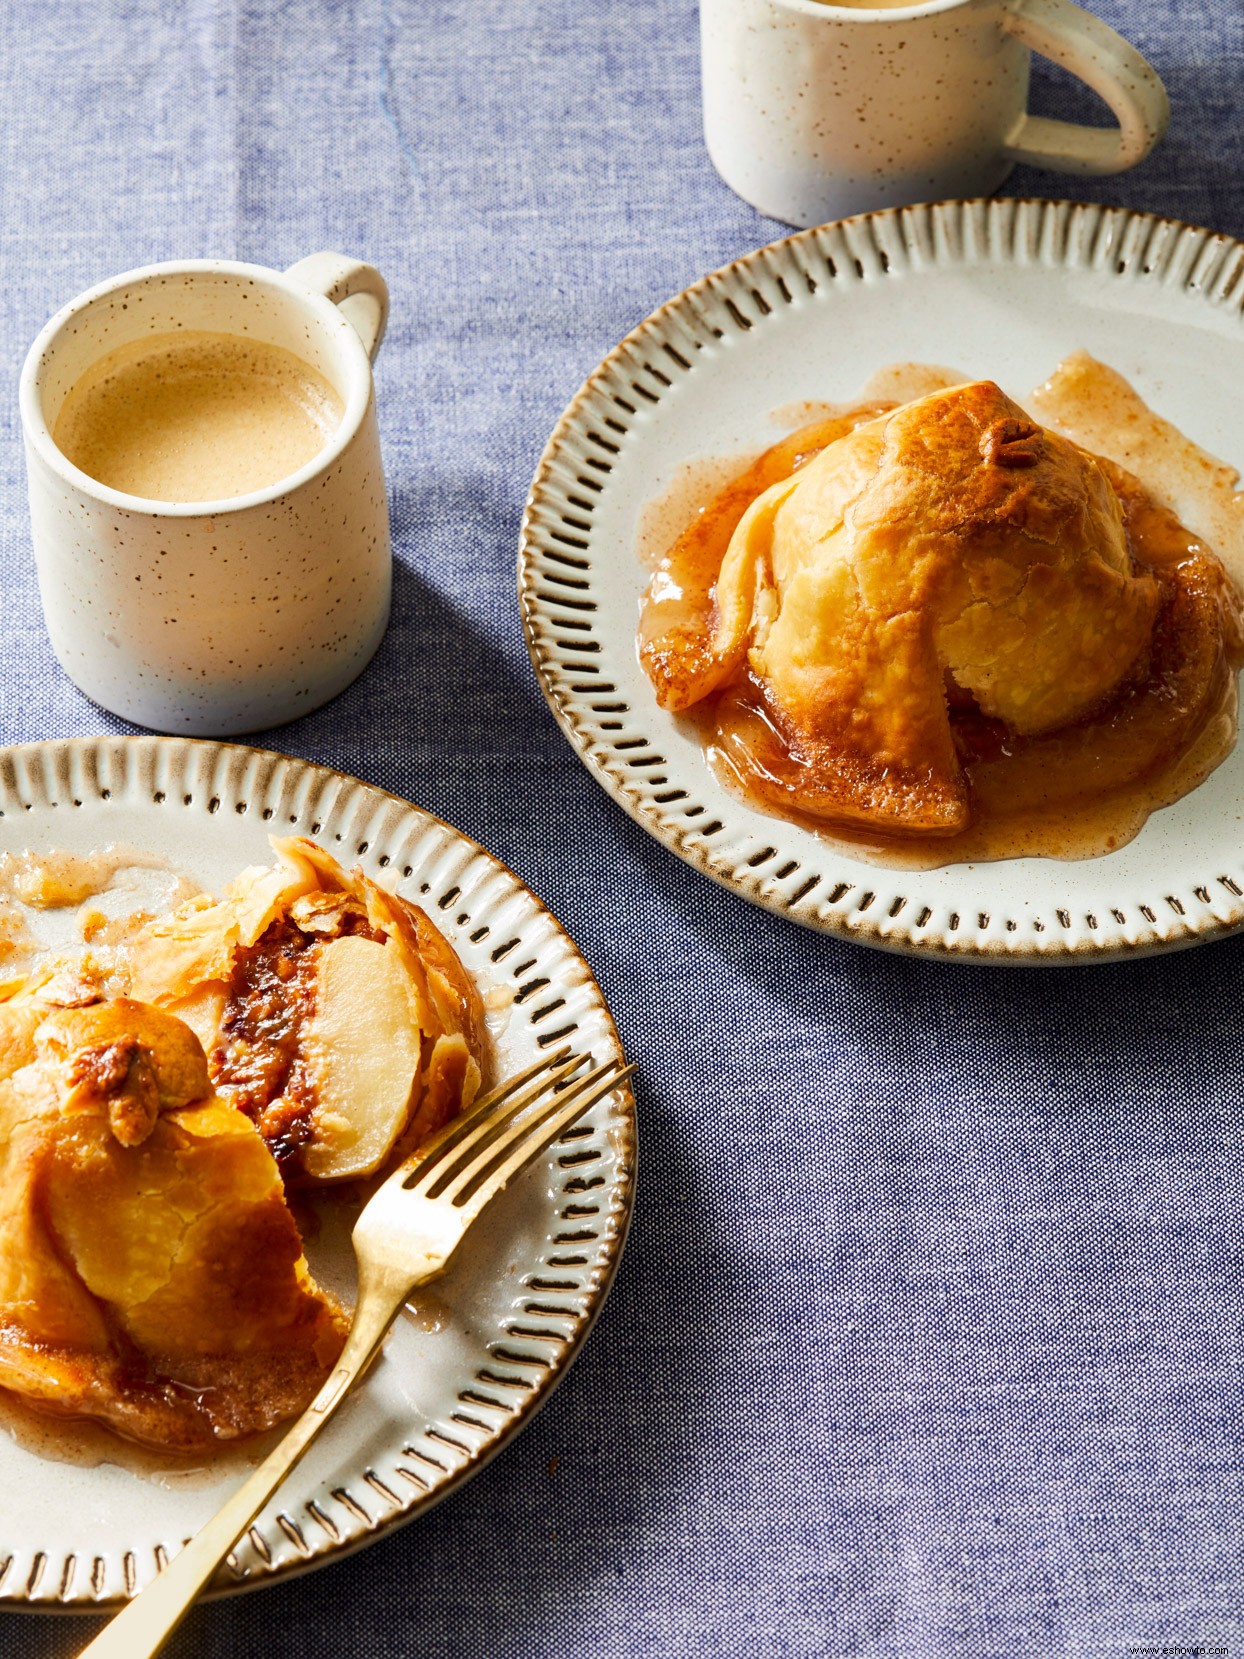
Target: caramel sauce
{"x": 47, "y": 911}
{"x": 428, "y": 1312}
{"x": 1076, "y": 793}
{"x": 55, "y": 880}
{"x": 87, "y": 1444}
{"x": 1096, "y": 408}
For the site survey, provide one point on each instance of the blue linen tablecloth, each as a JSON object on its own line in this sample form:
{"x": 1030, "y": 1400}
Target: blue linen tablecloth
{"x": 928, "y": 1340}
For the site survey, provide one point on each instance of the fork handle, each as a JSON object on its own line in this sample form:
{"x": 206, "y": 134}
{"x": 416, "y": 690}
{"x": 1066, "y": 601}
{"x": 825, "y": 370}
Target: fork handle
{"x": 141, "y": 1629}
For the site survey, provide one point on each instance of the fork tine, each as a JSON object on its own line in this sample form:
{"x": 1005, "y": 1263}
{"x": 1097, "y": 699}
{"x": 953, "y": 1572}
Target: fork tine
{"x": 497, "y": 1125}
{"x": 459, "y": 1138}
{"x": 503, "y": 1091}
{"x": 521, "y": 1140}
{"x": 451, "y": 1133}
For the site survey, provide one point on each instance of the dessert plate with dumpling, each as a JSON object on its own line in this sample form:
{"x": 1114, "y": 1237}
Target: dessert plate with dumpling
{"x": 893, "y": 577}
{"x": 235, "y": 990}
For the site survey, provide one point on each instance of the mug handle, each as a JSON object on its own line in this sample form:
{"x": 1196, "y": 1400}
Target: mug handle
{"x": 359, "y": 289}
{"x": 1095, "y": 54}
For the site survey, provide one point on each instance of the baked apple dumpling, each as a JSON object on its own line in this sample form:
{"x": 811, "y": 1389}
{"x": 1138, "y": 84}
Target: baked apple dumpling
{"x": 950, "y": 607}
{"x": 151, "y": 1274}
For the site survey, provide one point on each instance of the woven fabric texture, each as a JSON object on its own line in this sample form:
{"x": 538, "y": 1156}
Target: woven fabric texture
{"x": 928, "y": 1339}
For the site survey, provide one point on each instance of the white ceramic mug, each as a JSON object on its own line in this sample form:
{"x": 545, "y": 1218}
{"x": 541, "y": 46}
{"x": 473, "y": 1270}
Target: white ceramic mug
{"x": 212, "y": 618}
{"x": 814, "y": 111}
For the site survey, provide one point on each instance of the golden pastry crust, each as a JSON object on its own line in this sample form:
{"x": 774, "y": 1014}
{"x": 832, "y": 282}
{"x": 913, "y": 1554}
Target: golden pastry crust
{"x": 949, "y": 552}
{"x": 151, "y": 1274}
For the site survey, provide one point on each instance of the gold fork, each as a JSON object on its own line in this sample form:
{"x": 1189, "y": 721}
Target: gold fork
{"x": 404, "y": 1236}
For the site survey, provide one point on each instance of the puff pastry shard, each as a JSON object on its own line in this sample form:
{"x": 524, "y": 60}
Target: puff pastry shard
{"x": 151, "y": 1274}
{"x": 951, "y": 552}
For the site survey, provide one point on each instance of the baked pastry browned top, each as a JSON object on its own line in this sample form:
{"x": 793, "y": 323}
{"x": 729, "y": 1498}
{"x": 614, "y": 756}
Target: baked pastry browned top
{"x": 948, "y": 555}
{"x": 151, "y": 1274}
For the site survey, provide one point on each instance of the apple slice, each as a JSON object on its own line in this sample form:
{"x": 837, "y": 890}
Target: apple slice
{"x": 361, "y": 1053}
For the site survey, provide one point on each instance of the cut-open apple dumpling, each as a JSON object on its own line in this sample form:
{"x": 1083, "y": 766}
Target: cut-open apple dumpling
{"x": 307, "y": 1027}
{"x": 940, "y": 614}
{"x": 333, "y": 1013}
{"x": 151, "y": 1274}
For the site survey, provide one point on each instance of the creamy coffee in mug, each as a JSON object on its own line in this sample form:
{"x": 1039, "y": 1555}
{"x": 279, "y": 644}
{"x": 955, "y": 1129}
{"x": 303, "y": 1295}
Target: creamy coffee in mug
{"x": 207, "y": 501}
{"x": 196, "y": 416}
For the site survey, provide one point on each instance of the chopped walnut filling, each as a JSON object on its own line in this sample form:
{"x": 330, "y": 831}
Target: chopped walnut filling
{"x": 1012, "y": 443}
{"x": 121, "y": 1075}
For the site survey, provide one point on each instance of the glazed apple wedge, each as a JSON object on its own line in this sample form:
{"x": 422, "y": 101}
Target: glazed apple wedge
{"x": 362, "y": 1054}
{"x": 333, "y": 1013}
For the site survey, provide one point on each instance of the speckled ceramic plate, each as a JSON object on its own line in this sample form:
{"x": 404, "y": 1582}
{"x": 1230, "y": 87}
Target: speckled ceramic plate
{"x": 998, "y": 289}
{"x": 85, "y": 1523}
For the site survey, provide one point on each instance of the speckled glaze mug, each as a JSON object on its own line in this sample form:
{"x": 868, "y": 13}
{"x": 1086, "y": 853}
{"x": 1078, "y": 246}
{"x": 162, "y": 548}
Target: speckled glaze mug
{"x": 814, "y": 111}
{"x": 213, "y": 618}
